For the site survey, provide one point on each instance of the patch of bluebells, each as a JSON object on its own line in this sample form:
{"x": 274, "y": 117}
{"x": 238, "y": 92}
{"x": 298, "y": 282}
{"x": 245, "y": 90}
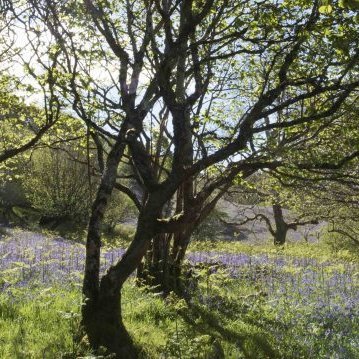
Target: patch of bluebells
{"x": 298, "y": 279}
{"x": 32, "y": 258}
{"x": 315, "y": 299}
{"x": 26, "y": 256}
{"x": 319, "y": 301}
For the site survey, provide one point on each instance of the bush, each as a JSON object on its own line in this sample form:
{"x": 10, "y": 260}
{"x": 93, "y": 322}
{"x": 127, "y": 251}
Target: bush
{"x": 120, "y": 209}
{"x": 57, "y": 187}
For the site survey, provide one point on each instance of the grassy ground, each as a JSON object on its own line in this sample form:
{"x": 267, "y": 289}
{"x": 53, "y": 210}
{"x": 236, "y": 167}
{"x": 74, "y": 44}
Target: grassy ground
{"x": 300, "y": 302}
{"x": 323, "y": 251}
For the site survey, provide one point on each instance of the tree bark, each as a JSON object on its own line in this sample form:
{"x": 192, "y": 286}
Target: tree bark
{"x": 162, "y": 268}
{"x": 102, "y": 316}
{"x": 104, "y": 324}
{"x": 281, "y": 230}
{"x": 154, "y": 271}
{"x": 92, "y": 301}
{"x": 172, "y": 277}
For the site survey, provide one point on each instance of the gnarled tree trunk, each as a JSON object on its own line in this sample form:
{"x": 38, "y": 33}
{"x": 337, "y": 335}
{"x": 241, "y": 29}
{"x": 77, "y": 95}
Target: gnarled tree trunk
{"x": 104, "y": 325}
{"x": 154, "y": 269}
{"x": 102, "y": 312}
{"x": 162, "y": 268}
{"x": 162, "y": 265}
{"x": 281, "y": 229}
{"x": 96, "y": 311}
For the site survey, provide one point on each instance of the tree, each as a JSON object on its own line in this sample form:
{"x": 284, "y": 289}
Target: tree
{"x": 328, "y": 195}
{"x": 266, "y": 190}
{"x": 332, "y": 198}
{"x": 30, "y": 122}
{"x": 198, "y": 61}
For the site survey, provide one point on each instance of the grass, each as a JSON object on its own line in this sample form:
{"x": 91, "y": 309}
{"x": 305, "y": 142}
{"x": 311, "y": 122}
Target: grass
{"x": 324, "y": 250}
{"x": 266, "y": 304}
{"x": 235, "y": 322}
{"x": 34, "y": 322}
{"x": 45, "y": 325}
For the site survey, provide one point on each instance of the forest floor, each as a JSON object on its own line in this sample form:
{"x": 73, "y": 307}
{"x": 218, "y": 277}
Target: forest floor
{"x": 250, "y": 301}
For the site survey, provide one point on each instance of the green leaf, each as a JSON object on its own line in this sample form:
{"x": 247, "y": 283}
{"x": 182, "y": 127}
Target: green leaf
{"x": 325, "y": 9}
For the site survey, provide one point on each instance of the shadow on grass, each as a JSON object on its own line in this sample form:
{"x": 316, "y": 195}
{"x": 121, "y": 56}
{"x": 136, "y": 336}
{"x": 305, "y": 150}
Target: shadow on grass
{"x": 206, "y": 321}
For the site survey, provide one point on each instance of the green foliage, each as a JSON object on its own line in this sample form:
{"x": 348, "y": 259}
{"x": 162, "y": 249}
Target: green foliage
{"x": 12, "y": 194}
{"x": 351, "y": 4}
{"x": 341, "y": 242}
{"x": 57, "y": 187}
{"x": 14, "y": 207}
{"x": 325, "y": 9}
{"x": 211, "y": 227}
{"x": 3, "y": 231}
{"x": 118, "y": 236}
{"x": 120, "y": 208}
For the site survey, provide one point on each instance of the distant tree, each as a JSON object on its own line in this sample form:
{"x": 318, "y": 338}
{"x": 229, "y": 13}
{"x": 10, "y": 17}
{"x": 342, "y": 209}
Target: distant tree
{"x": 281, "y": 225}
{"x": 322, "y": 194}
{"x": 265, "y": 190}
{"x": 333, "y": 199}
